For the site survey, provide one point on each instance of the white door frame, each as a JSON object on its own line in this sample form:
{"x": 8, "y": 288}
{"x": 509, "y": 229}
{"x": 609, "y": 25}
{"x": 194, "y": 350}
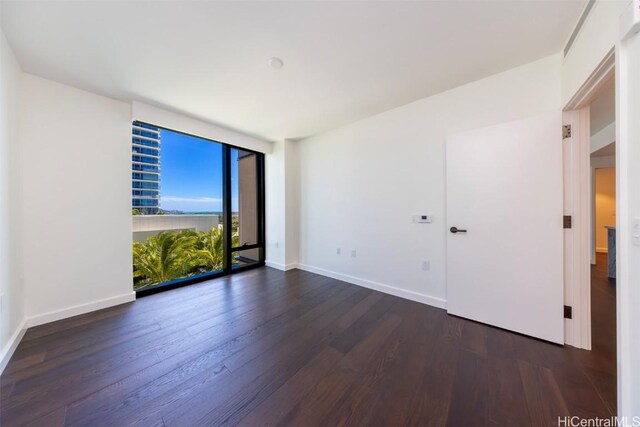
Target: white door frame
{"x": 578, "y": 191}
{"x": 577, "y": 239}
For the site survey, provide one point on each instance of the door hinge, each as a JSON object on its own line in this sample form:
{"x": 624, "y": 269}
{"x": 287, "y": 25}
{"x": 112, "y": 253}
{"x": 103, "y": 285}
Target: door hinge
{"x": 566, "y": 131}
{"x": 567, "y": 221}
{"x": 568, "y": 312}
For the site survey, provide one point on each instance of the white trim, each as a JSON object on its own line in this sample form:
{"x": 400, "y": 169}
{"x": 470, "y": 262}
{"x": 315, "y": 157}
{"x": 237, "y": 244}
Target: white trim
{"x": 578, "y": 288}
{"x": 11, "y": 346}
{"x": 76, "y": 310}
{"x": 281, "y": 267}
{"x": 577, "y": 248}
{"x": 600, "y": 77}
{"x": 381, "y": 287}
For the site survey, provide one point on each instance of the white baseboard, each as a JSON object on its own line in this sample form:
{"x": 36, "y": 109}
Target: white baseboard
{"x": 76, "y": 310}
{"x": 281, "y": 267}
{"x": 11, "y": 346}
{"x": 381, "y": 287}
{"x": 602, "y": 250}
{"x": 52, "y": 316}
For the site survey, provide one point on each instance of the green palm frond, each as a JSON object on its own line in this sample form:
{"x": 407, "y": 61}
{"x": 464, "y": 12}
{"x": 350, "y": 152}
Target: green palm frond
{"x": 171, "y": 255}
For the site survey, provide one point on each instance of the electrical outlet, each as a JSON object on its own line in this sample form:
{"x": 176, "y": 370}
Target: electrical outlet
{"x": 277, "y": 245}
{"x": 338, "y": 251}
{"x": 353, "y": 253}
{"x": 426, "y": 265}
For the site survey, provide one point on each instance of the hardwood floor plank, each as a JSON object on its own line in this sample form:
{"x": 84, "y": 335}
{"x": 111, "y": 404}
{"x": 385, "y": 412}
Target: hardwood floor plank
{"x": 362, "y": 327}
{"x": 469, "y": 401}
{"x": 405, "y": 371}
{"x": 165, "y": 316}
{"x": 605, "y": 384}
{"x": 233, "y": 344}
{"x": 278, "y": 404}
{"x": 474, "y": 338}
{"x": 319, "y": 316}
{"x": 25, "y": 363}
{"x": 360, "y": 359}
{"x": 201, "y": 356}
{"x": 373, "y": 359}
{"x": 506, "y": 402}
{"x": 266, "y": 347}
{"x": 135, "y": 340}
{"x": 544, "y": 399}
{"x": 430, "y": 404}
{"x": 30, "y": 405}
{"x": 53, "y": 419}
{"x": 254, "y": 385}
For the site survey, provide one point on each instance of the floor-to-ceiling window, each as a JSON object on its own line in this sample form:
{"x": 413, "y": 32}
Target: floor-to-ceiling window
{"x": 198, "y": 208}
{"x": 246, "y": 224}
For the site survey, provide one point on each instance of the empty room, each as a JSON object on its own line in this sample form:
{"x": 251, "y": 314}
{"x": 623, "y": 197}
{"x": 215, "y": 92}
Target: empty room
{"x": 319, "y": 213}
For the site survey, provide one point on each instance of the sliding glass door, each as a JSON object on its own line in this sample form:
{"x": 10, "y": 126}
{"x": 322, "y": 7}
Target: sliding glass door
{"x": 198, "y": 208}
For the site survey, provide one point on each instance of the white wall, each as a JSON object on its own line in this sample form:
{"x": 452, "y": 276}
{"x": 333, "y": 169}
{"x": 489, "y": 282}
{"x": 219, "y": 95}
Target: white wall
{"x": 275, "y": 206}
{"x": 597, "y": 37}
{"x": 282, "y": 204}
{"x": 628, "y": 213}
{"x": 76, "y": 199}
{"x": 363, "y": 182}
{"x": 12, "y": 308}
{"x": 292, "y": 202}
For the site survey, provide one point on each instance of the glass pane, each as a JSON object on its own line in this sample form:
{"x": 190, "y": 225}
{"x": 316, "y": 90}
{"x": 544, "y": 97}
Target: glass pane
{"x": 244, "y": 198}
{"x": 177, "y": 209}
{"x": 245, "y": 257}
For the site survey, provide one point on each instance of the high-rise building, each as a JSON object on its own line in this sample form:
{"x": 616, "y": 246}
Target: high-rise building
{"x": 145, "y": 168}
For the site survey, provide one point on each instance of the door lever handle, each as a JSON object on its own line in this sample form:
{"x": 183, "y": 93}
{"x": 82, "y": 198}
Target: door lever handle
{"x": 457, "y": 230}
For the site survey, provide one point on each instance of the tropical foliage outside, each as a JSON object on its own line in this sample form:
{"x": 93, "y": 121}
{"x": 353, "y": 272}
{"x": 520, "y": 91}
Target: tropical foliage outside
{"x": 171, "y": 255}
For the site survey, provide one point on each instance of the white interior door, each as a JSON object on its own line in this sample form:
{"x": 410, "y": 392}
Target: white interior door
{"x": 504, "y": 187}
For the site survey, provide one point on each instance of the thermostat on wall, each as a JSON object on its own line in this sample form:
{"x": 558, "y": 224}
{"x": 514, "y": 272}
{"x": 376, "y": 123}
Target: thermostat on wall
{"x": 423, "y": 218}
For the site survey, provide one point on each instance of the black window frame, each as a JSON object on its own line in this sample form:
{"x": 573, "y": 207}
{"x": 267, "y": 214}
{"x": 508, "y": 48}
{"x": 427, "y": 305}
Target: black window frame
{"x": 227, "y": 217}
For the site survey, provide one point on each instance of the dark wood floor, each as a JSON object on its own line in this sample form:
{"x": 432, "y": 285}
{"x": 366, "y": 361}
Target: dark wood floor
{"x": 271, "y": 348}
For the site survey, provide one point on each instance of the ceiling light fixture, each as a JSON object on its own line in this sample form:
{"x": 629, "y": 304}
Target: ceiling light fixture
{"x": 275, "y": 63}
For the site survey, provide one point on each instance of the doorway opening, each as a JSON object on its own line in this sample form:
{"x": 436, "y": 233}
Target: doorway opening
{"x": 602, "y": 144}
{"x": 591, "y": 178}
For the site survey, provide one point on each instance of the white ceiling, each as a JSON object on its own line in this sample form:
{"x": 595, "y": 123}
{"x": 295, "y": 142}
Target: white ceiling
{"x": 602, "y": 110}
{"x": 344, "y": 60}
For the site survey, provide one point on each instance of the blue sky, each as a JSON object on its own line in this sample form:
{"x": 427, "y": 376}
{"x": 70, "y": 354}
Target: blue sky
{"x": 191, "y": 173}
